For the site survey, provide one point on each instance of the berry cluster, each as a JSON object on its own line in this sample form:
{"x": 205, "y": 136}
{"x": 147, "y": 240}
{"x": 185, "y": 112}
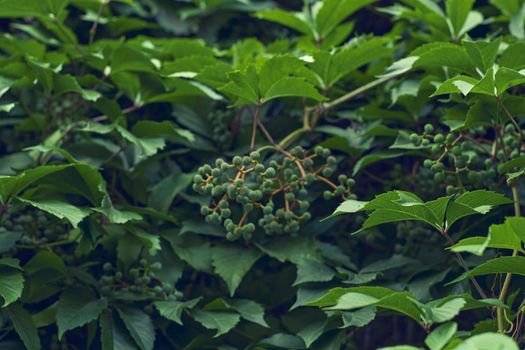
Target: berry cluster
{"x": 412, "y": 235}
{"x": 273, "y": 194}
{"x": 34, "y": 227}
{"x": 137, "y": 283}
{"x": 469, "y": 159}
{"x": 220, "y": 121}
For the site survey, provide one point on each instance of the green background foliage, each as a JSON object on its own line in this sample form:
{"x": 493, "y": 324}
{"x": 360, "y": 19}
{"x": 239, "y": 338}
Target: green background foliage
{"x": 221, "y": 174}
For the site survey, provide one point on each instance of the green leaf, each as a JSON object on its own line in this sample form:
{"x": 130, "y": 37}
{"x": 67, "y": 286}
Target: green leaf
{"x": 173, "y": 309}
{"x": 441, "y": 336}
{"x": 472, "y": 245}
{"x": 280, "y": 76}
{"x": 359, "y": 318}
{"x": 149, "y": 129}
{"x": 113, "y": 334}
{"x": 349, "y": 206}
{"x": 292, "y": 249}
{"x": 29, "y": 8}
{"x": 289, "y": 19}
{"x": 165, "y": 191}
{"x": 457, "y": 13}
{"x": 505, "y": 264}
{"x": 232, "y": 262}
{"x": 5, "y": 84}
{"x": 443, "y": 311}
{"x": 291, "y": 87}
{"x": 517, "y": 23}
{"x": 508, "y": 235}
{"x": 283, "y": 341}
{"x": 63, "y": 84}
{"x": 458, "y": 84}
{"x": 60, "y": 209}
{"x": 334, "y": 65}
{"x": 45, "y": 260}
{"x": 488, "y": 341}
{"x": 313, "y": 271}
{"x": 334, "y": 12}
{"x": 475, "y": 202}
{"x": 11, "y": 283}
{"x": 24, "y": 326}
{"x": 482, "y": 53}
{"x": 391, "y": 300}
{"x": 139, "y": 325}
{"x": 249, "y": 310}
{"x": 221, "y": 321}
{"x": 77, "y": 307}
{"x": 512, "y": 57}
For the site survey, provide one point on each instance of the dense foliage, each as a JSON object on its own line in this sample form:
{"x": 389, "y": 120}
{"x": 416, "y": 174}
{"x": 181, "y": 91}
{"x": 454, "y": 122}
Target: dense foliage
{"x": 220, "y": 174}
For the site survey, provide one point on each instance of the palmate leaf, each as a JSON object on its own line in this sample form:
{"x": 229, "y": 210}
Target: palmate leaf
{"x": 441, "y": 213}
{"x": 326, "y": 19}
{"x": 359, "y": 297}
{"x": 280, "y": 76}
{"x": 331, "y": 66}
{"x": 436, "y": 311}
{"x": 475, "y": 202}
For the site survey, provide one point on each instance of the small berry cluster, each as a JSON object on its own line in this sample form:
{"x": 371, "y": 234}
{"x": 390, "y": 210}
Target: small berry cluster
{"x": 274, "y": 194}
{"x": 139, "y": 282}
{"x": 412, "y": 235}
{"x": 466, "y": 160}
{"x": 34, "y": 227}
{"x": 220, "y": 121}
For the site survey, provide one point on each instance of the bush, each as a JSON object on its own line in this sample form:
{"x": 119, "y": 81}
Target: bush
{"x": 337, "y": 174}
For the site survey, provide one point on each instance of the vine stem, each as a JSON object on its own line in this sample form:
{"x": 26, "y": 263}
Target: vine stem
{"x": 308, "y": 125}
{"x": 463, "y": 264}
{"x": 93, "y": 29}
{"x": 356, "y": 92}
{"x": 255, "y": 123}
{"x": 508, "y": 277}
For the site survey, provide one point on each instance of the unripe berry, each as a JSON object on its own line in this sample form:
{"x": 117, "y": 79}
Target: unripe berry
{"x": 428, "y": 128}
{"x": 439, "y": 138}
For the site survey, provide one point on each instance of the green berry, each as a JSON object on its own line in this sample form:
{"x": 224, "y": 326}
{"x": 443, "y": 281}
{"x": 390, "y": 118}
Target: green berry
{"x": 428, "y": 128}
{"x": 439, "y": 138}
